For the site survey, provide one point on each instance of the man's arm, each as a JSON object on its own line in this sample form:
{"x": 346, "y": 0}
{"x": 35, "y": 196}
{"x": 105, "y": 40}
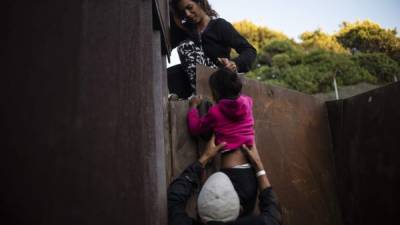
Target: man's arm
{"x": 269, "y": 211}
{"x": 182, "y": 187}
{"x": 269, "y": 208}
{"x": 180, "y": 191}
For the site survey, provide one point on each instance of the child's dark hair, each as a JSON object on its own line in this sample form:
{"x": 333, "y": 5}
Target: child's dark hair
{"x": 225, "y": 84}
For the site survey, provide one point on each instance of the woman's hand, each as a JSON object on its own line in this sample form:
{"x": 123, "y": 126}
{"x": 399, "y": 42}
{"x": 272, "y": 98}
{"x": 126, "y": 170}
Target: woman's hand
{"x": 228, "y": 64}
{"x": 194, "y": 101}
{"x": 211, "y": 151}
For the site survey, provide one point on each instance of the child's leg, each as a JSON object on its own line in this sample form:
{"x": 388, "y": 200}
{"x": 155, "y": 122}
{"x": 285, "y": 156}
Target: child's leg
{"x": 245, "y": 183}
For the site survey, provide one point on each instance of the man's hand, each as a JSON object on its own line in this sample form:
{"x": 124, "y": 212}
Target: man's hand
{"x": 229, "y": 64}
{"x": 195, "y": 101}
{"x": 253, "y": 156}
{"x": 210, "y": 151}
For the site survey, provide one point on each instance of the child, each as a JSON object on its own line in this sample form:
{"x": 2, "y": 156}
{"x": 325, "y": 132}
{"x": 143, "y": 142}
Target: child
{"x": 231, "y": 119}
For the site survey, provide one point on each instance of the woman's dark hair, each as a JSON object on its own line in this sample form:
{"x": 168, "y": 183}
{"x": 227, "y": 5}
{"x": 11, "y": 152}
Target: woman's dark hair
{"x": 202, "y": 3}
{"x": 225, "y": 84}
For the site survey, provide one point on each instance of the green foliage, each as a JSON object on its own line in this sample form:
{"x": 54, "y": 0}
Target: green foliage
{"x": 293, "y": 52}
{"x": 367, "y": 36}
{"x": 258, "y": 36}
{"x": 327, "y": 64}
{"x": 378, "y": 65}
{"x": 359, "y": 52}
{"x": 321, "y": 40}
{"x": 259, "y": 73}
{"x": 316, "y": 72}
{"x": 281, "y": 60}
{"x": 301, "y": 78}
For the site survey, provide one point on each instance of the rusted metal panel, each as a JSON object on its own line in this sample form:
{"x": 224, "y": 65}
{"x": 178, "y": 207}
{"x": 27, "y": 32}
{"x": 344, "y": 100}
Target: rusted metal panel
{"x": 293, "y": 136}
{"x": 294, "y": 141}
{"x": 366, "y": 134}
{"x": 83, "y": 114}
{"x": 203, "y": 73}
{"x": 183, "y": 146}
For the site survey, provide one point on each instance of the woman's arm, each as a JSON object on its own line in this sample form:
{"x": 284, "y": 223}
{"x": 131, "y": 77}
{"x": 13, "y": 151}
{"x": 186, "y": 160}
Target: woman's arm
{"x": 247, "y": 53}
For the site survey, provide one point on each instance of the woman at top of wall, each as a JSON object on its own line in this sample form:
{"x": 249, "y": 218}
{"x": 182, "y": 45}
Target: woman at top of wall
{"x": 203, "y": 38}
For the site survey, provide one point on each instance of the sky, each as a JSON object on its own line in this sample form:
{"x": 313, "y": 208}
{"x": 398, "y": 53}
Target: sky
{"x": 295, "y": 17}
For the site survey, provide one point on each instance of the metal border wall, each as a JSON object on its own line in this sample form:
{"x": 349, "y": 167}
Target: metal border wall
{"x": 293, "y": 136}
{"x": 83, "y": 104}
{"x": 366, "y": 134}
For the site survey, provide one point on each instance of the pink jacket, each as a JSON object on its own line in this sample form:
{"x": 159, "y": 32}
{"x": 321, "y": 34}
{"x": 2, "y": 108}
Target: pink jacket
{"x": 231, "y": 120}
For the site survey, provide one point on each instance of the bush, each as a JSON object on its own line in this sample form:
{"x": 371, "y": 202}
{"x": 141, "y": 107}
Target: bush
{"x": 378, "y": 65}
{"x": 294, "y": 51}
{"x": 311, "y": 66}
{"x": 330, "y": 64}
{"x": 301, "y": 78}
{"x": 281, "y": 60}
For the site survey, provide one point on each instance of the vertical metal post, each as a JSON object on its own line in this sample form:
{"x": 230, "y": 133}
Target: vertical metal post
{"x": 336, "y": 89}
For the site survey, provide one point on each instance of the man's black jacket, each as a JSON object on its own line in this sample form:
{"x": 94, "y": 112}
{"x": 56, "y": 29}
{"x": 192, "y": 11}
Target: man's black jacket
{"x": 182, "y": 188}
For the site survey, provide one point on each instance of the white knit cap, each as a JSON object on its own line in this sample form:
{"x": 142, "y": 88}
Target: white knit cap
{"x": 218, "y": 200}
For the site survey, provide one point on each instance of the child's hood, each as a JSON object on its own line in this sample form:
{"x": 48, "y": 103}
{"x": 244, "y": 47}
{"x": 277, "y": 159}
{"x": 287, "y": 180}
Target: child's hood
{"x": 235, "y": 109}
